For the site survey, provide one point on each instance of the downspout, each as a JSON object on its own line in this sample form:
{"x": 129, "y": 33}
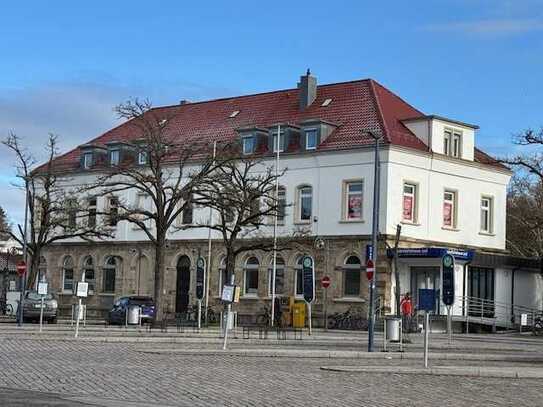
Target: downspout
{"x": 513, "y": 272}
{"x": 464, "y": 284}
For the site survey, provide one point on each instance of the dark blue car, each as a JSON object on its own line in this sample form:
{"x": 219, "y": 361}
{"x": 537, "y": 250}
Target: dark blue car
{"x": 119, "y": 311}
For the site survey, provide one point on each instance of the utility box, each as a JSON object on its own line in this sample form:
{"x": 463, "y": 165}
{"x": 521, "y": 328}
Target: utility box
{"x": 298, "y": 315}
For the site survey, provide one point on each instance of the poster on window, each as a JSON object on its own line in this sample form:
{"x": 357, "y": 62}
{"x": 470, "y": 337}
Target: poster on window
{"x": 408, "y": 207}
{"x": 355, "y": 207}
{"x": 447, "y": 214}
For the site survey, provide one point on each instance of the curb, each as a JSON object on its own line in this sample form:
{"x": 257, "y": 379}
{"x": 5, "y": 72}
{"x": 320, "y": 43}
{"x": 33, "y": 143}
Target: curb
{"x": 465, "y": 371}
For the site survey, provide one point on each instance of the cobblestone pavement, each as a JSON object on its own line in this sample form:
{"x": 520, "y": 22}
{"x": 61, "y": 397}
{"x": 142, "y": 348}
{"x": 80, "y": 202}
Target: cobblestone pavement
{"x": 90, "y": 372}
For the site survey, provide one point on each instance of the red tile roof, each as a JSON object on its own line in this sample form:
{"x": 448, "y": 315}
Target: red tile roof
{"x": 356, "y": 106}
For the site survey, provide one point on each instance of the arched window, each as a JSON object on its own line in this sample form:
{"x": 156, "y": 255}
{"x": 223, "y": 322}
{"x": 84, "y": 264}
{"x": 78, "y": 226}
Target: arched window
{"x": 279, "y": 276}
{"x": 88, "y": 272}
{"x": 68, "y": 275}
{"x": 110, "y": 271}
{"x": 351, "y": 277}
{"x": 42, "y": 269}
{"x": 222, "y": 275}
{"x": 299, "y": 278}
{"x": 305, "y": 203}
{"x": 251, "y": 276}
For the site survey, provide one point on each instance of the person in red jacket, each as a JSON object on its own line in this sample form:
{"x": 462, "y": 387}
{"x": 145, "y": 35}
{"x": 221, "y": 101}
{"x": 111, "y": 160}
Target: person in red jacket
{"x": 406, "y": 307}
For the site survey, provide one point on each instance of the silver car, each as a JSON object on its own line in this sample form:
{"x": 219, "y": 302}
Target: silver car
{"x": 32, "y": 307}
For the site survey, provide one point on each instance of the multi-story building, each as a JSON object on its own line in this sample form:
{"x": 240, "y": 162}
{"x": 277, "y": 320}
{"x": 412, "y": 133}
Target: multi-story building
{"x": 447, "y": 195}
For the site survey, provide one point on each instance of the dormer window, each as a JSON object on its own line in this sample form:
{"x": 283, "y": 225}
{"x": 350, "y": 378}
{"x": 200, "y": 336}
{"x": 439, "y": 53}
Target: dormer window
{"x": 114, "y": 157}
{"x": 142, "y": 157}
{"x": 311, "y": 139}
{"x": 281, "y": 146}
{"x": 248, "y": 144}
{"x": 87, "y": 161}
{"x": 452, "y": 143}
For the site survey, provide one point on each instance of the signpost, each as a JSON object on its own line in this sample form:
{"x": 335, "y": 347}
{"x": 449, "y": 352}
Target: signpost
{"x": 81, "y": 291}
{"x": 200, "y": 288}
{"x": 21, "y": 271}
{"x": 308, "y": 273}
{"x": 325, "y": 283}
{"x": 427, "y": 300}
{"x": 42, "y": 291}
{"x": 370, "y": 269}
{"x": 447, "y": 288}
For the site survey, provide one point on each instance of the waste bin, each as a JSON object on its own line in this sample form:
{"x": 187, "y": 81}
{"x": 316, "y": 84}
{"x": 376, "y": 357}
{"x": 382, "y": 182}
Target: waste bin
{"x": 393, "y": 328}
{"x": 298, "y": 315}
{"x": 133, "y": 317}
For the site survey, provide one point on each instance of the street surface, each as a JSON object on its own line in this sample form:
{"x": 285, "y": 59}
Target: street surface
{"x": 63, "y": 372}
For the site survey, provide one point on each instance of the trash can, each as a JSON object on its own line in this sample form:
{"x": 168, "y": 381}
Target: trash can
{"x": 133, "y": 315}
{"x": 298, "y": 315}
{"x": 393, "y": 328}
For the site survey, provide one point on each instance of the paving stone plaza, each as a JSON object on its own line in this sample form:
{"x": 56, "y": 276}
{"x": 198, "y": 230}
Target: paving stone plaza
{"x": 115, "y": 367}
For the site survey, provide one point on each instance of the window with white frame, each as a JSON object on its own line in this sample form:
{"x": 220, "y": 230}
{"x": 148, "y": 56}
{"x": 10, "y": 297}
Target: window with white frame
{"x": 299, "y": 278}
{"x": 142, "y": 157}
{"x": 279, "y": 276}
{"x": 311, "y": 139}
{"x": 114, "y": 157}
{"x": 113, "y": 210}
{"x": 452, "y": 143}
{"x": 279, "y": 146}
{"x": 91, "y": 212}
{"x": 305, "y": 203}
{"x": 409, "y": 204}
{"x": 68, "y": 275}
{"x": 281, "y": 204}
{"x": 88, "y": 270}
{"x": 351, "y": 277}
{"x": 251, "y": 276}
{"x": 486, "y": 215}
{"x": 109, "y": 274}
{"x": 449, "y": 209}
{"x": 248, "y": 144}
{"x": 71, "y": 214}
{"x": 87, "y": 161}
{"x": 353, "y": 200}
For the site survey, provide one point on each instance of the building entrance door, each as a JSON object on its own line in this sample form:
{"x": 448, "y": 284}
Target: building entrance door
{"x": 426, "y": 277}
{"x": 183, "y": 284}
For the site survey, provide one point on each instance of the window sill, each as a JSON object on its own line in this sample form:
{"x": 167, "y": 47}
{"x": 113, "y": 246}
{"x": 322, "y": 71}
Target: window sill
{"x": 66, "y": 293}
{"x": 406, "y": 222}
{"x": 352, "y": 221}
{"x": 106, "y": 294}
{"x": 487, "y": 234}
{"x": 350, "y": 299}
{"x": 450, "y": 229}
{"x": 249, "y": 297}
{"x": 302, "y": 222}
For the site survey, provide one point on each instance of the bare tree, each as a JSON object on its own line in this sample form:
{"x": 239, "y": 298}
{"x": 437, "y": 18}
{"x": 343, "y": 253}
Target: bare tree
{"x": 53, "y": 213}
{"x": 173, "y": 168}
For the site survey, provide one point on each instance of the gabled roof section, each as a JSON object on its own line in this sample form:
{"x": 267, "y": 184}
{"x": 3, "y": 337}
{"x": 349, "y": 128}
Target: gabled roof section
{"x": 356, "y": 106}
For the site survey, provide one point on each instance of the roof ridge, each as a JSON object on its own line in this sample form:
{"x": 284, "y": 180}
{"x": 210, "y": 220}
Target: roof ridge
{"x": 397, "y": 96}
{"x": 379, "y": 111}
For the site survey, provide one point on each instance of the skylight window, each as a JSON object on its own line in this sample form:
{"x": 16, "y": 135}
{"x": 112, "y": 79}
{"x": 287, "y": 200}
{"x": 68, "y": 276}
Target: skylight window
{"x": 326, "y": 102}
{"x": 234, "y": 113}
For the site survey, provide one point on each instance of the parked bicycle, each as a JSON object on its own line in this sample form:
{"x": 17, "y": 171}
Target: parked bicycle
{"x": 5, "y": 308}
{"x": 537, "y": 327}
{"x": 264, "y": 318}
{"x": 352, "y": 319}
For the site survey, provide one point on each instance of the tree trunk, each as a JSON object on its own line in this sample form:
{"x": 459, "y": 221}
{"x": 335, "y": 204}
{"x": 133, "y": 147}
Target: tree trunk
{"x": 159, "y": 276}
{"x": 32, "y": 269}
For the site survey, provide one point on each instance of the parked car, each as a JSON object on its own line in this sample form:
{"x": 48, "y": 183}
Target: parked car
{"x": 32, "y": 307}
{"x": 119, "y": 311}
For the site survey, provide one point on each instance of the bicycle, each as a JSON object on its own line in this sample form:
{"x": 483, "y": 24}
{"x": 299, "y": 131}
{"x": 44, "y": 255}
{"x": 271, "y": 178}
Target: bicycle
{"x": 537, "y": 327}
{"x": 5, "y": 308}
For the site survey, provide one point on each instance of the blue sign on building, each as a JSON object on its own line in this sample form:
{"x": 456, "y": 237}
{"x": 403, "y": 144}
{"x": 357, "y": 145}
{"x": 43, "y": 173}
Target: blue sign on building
{"x": 432, "y": 252}
{"x": 427, "y": 299}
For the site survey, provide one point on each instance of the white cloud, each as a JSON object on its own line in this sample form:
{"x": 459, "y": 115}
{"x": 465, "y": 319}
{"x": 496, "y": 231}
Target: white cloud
{"x": 488, "y": 27}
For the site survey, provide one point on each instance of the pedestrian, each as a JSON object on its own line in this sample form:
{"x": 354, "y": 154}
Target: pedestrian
{"x": 406, "y": 307}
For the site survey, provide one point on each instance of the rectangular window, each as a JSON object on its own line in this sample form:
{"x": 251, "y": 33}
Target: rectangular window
{"x": 109, "y": 280}
{"x": 89, "y": 278}
{"x": 71, "y": 214}
{"x": 114, "y": 157}
{"x": 449, "y": 209}
{"x": 353, "y": 200}
{"x": 486, "y": 215}
{"x": 311, "y": 139}
{"x": 142, "y": 157}
{"x": 281, "y": 142}
{"x": 87, "y": 161}
{"x": 305, "y": 201}
{"x": 452, "y": 143}
{"x": 299, "y": 285}
{"x": 456, "y": 145}
{"x": 187, "y": 216}
{"x": 281, "y": 205}
{"x": 409, "y": 203}
{"x": 68, "y": 283}
{"x": 251, "y": 281}
{"x": 248, "y": 145}
{"x": 91, "y": 212}
{"x": 351, "y": 283}
{"x": 279, "y": 280}
{"x": 113, "y": 205}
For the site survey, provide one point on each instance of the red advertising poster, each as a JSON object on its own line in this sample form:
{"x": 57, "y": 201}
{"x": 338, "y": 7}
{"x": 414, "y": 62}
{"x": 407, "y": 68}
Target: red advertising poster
{"x": 447, "y": 214}
{"x": 355, "y": 207}
{"x": 408, "y": 207}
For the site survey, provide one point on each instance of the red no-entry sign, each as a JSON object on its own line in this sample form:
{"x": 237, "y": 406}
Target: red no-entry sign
{"x": 21, "y": 268}
{"x": 370, "y": 269}
{"x": 325, "y": 282}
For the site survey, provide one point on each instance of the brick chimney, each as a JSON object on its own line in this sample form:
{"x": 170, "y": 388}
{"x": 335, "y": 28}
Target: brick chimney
{"x": 308, "y": 90}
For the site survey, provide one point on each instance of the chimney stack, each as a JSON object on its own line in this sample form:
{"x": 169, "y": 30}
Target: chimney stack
{"x": 308, "y": 90}
{"x": 184, "y": 101}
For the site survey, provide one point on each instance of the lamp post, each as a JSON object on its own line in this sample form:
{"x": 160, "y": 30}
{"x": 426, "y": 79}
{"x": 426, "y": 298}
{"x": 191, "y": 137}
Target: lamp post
{"x": 374, "y": 235}
{"x": 25, "y": 255}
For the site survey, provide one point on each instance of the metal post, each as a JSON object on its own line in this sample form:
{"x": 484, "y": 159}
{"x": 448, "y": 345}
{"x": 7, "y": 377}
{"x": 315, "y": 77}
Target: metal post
{"x": 309, "y": 310}
{"x": 208, "y": 265}
{"x": 385, "y": 336}
{"x": 41, "y": 314}
{"x": 375, "y": 231}
{"x": 229, "y": 311}
{"x": 25, "y": 258}
{"x": 199, "y": 315}
{"x": 449, "y": 324}
{"x": 325, "y": 309}
{"x": 426, "y": 326}
{"x": 79, "y": 312}
{"x": 139, "y": 270}
{"x": 274, "y": 270}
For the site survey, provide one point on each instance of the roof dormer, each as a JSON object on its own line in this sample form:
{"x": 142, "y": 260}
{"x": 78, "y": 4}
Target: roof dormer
{"x": 314, "y": 132}
{"x": 289, "y": 140}
{"x": 444, "y": 136}
{"x": 253, "y": 140}
{"x": 119, "y": 152}
{"x": 92, "y": 155}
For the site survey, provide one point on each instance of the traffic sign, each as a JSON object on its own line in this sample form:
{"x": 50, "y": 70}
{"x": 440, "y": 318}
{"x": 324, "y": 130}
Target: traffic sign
{"x": 325, "y": 282}
{"x": 200, "y": 278}
{"x": 21, "y": 268}
{"x": 447, "y": 278}
{"x": 308, "y": 274}
{"x": 427, "y": 299}
{"x": 370, "y": 269}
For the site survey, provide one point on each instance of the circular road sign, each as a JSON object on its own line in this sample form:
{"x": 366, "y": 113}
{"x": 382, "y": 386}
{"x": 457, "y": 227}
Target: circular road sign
{"x": 21, "y": 268}
{"x": 325, "y": 282}
{"x": 370, "y": 269}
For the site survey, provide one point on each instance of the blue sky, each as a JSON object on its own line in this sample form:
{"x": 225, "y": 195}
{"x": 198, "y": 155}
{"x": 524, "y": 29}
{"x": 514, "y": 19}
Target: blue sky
{"x": 64, "y": 65}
